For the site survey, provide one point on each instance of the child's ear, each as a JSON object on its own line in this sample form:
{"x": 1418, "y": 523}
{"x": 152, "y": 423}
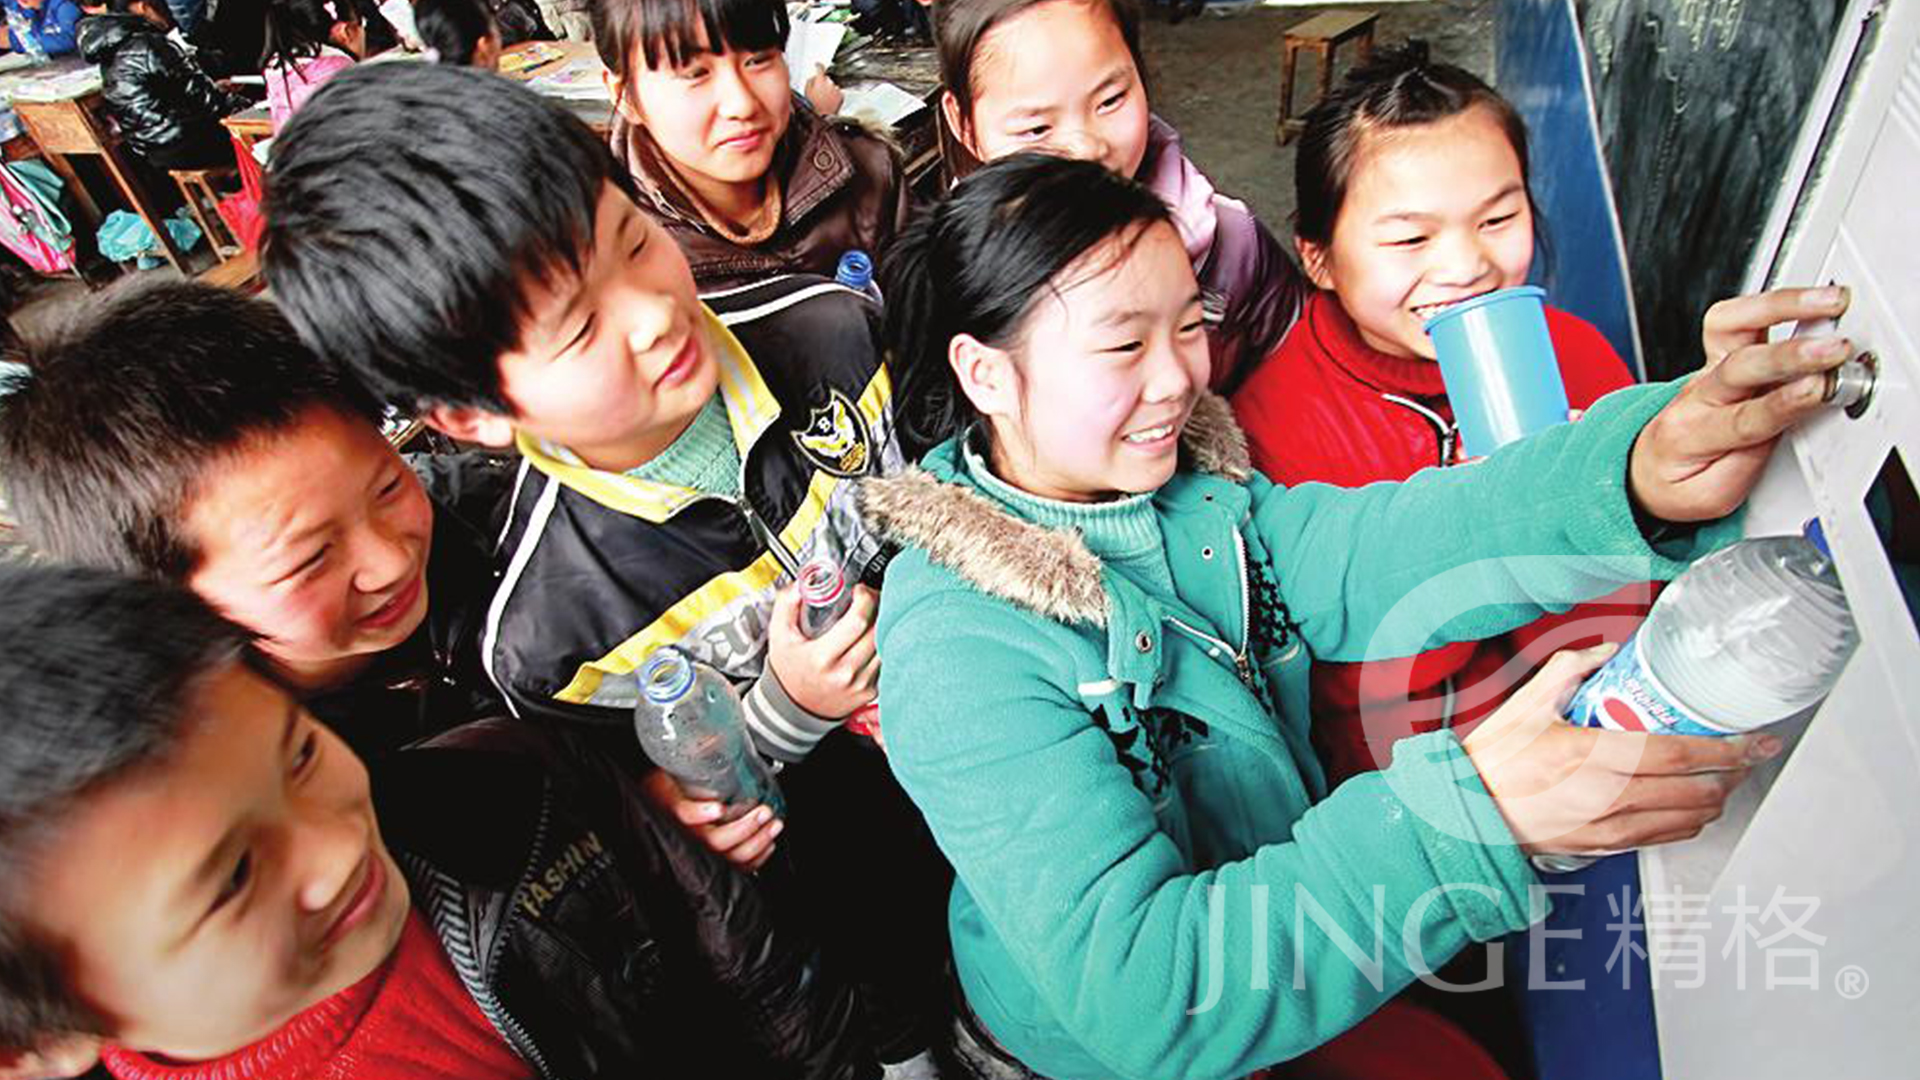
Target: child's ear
{"x": 616, "y": 90}
{"x": 957, "y": 124}
{"x": 486, "y": 53}
{"x": 986, "y": 375}
{"x": 66, "y": 1055}
{"x": 350, "y": 37}
{"x": 1313, "y": 260}
{"x": 468, "y": 424}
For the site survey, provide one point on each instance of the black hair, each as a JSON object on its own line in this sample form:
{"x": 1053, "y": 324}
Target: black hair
{"x": 453, "y": 29}
{"x": 408, "y": 209}
{"x": 979, "y": 259}
{"x": 1399, "y": 88}
{"x": 298, "y": 29}
{"x": 959, "y": 26}
{"x": 666, "y": 32}
{"x": 104, "y": 438}
{"x": 125, "y": 7}
{"x": 96, "y": 671}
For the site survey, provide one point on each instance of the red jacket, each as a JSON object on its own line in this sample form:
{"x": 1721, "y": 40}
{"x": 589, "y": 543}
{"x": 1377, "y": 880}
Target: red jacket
{"x": 1325, "y": 406}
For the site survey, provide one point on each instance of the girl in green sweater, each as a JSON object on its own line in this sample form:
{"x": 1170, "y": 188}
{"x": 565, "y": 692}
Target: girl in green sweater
{"x": 1097, "y": 636}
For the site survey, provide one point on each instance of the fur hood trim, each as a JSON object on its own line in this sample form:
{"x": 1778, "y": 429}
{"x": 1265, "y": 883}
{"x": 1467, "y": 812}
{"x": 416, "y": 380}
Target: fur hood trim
{"x": 1048, "y": 571}
{"x": 1212, "y": 441}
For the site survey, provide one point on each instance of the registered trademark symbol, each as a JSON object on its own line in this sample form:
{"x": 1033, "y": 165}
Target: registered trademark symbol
{"x": 1851, "y": 982}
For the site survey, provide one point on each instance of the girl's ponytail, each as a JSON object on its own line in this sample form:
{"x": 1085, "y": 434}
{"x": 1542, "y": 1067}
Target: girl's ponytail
{"x": 976, "y": 263}
{"x": 928, "y": 405}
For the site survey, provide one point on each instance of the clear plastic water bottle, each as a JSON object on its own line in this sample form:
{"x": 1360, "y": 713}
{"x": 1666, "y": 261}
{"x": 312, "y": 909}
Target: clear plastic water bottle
{"x": 824, "y": 598}
{"x": 1750, "y": 635}
{"x": 691, "y": 723}
{"x": 24, "y": 36}
{"x": 856, "y": 272}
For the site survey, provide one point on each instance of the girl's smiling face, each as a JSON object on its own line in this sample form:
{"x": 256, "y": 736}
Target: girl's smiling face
{"x": 1434, "y": 214}
{"x": 718, "y": 116}
{"x": 1057, "y": 77}
{"x": 1089, "y": 403}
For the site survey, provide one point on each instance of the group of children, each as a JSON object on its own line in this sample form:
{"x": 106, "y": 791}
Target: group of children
{"x": 160, "y": 87}
{"x": 320, "y": 762}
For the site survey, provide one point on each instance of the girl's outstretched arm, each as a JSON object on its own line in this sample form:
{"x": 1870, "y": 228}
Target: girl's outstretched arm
{"x": 1153, "y": 968}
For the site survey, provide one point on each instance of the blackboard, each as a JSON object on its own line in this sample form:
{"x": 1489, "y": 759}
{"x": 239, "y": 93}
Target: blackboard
{"x": 1699, "y": 104}
{"x": 1580, "y": 260}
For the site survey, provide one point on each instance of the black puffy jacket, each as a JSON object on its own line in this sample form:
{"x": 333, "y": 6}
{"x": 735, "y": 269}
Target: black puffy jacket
{"x": 594, "y": 932}
{"x": 156, "y": 93}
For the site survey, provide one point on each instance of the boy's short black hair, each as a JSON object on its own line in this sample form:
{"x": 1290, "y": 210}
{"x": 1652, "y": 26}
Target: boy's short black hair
{"x": 103, "y": 440}
{"x": 95, "y": 673}
{"x": 408, "y": 207}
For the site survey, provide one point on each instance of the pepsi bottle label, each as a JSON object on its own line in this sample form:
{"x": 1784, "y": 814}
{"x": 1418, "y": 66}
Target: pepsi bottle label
{"x": 1624, "y": 695}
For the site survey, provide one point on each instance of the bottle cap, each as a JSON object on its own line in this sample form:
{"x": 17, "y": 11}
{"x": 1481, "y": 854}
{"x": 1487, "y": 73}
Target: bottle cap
{"x": 1817, "y": 536}
{"x": 667, "y": 676}
{"x": 821, "y": 581}
{"x": 855, "y": 270}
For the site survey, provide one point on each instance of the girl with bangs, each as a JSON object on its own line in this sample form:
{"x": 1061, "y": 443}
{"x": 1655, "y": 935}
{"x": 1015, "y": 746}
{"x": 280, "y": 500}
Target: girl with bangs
{"x": 748, "y": 178}
{"x": 1067, "y": 77}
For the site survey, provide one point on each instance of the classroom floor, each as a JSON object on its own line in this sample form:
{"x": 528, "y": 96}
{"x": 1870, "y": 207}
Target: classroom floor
{"x": 1217, "y": 79}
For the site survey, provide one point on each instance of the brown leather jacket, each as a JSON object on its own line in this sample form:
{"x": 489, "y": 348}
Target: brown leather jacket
{"x": 842, "y": 191}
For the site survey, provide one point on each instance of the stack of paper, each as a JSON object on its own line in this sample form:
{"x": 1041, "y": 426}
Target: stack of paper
{"x": 530, "y": 56}
{"x": 64, "y": 86}
{"x": 880, "y": 103}
{"x": 581, "y": 79}
{"x": 810, "y": 47}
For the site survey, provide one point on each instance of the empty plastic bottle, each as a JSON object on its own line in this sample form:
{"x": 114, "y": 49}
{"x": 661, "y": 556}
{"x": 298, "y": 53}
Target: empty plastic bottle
{"x": 691, "y": 723}
{"x": 856, "y": 272}
{"x": 1750, "y": 635}
{"x": 824, "y": 598}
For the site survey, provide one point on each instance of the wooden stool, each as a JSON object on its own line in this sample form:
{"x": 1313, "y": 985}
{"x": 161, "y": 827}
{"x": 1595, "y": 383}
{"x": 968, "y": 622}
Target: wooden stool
{"x": 1323, "y": 34}
{"x": 74, "y": 128}
{"x": 195, "y": 186}
{"x": 241, "y": 272}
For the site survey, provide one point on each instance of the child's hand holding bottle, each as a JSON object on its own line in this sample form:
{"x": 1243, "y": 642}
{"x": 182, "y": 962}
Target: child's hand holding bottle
{"x": 745, "y": 841}
{"x": 1571, "y": 790}
{"x": 835, "y": 674}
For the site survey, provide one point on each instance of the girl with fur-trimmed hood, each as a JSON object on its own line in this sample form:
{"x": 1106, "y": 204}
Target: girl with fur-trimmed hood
{"x": 1095, "y": 645}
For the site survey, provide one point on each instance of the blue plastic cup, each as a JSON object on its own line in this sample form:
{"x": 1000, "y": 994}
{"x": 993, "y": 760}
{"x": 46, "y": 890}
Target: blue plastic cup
{"x": 1498, "y": 364}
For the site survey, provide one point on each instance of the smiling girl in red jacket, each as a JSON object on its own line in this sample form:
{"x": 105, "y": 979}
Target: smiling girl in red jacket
{"x": 1413, "y": 194}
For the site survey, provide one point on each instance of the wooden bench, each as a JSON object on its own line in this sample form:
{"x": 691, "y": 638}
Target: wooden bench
{"x": 1323, "y": 34}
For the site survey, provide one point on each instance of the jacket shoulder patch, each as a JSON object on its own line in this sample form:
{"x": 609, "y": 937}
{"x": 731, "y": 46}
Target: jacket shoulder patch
{"x": 836, "y": 439}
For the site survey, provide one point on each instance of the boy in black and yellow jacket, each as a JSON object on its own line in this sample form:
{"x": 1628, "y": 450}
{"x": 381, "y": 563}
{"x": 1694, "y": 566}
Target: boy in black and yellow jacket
{"x": 682, "y": 459}
{"x": 759, "y": 483}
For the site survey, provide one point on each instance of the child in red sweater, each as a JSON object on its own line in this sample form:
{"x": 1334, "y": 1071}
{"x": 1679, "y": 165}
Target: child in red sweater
{"x": 1412, "y": 195}
{"x": 198, "y": 885}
